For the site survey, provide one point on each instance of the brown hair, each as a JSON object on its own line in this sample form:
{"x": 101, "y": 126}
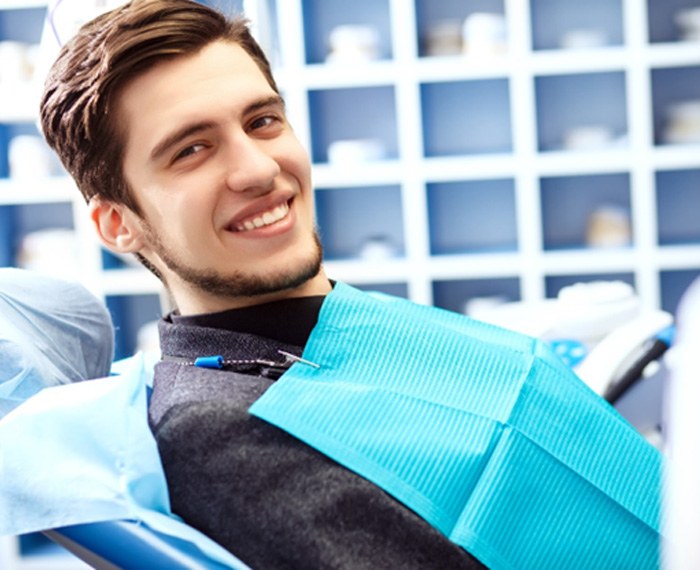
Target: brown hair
{"x": 78, "y": 104}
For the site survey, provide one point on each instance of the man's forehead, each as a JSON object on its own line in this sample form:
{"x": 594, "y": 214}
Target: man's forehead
{"x": 220, "y": 57}
{"x": 183, "y": 80}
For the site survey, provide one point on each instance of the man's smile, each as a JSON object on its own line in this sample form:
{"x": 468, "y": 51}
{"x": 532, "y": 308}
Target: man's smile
{"x": 263, "y": 219}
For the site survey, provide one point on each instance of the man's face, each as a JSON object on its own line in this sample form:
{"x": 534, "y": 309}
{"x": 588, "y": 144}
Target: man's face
{"x": 223, "y": 184}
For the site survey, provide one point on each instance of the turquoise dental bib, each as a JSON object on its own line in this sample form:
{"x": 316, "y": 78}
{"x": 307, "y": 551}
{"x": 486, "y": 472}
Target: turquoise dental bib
{"x": 484, "y": 433}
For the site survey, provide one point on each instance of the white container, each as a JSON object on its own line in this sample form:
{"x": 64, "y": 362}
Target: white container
{"x": 444, "y": 38}
{"x": 484, "y": 33}
{"x": 583, "y": 39}
{"x": 688, "y": 21}
{"x": 355, "y": 151}
{"x": 353, "y": 43}
{"x": 29, "y": 157}
{"x": 609, "y": 226}
{"x": 587, "y": 137}
{"x": 683, "y": 124}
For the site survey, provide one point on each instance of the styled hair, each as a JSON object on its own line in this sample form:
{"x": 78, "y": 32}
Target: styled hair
{"x": 79, "y": 102}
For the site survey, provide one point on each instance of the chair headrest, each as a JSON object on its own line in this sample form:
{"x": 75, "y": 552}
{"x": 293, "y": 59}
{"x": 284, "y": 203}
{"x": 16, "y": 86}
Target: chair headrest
{"x": 51, "y": 332}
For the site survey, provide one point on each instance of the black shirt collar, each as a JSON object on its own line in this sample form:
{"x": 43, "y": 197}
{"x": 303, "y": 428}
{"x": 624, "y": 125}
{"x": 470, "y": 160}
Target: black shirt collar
{"x": 288, "y": 321}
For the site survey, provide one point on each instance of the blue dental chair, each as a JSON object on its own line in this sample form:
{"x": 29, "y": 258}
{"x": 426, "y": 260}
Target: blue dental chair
{"x": 112, "y": 545}
{"x": 53, "y": 333}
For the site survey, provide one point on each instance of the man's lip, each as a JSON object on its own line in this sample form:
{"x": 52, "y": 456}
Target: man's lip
{"x": 258, "y": 208}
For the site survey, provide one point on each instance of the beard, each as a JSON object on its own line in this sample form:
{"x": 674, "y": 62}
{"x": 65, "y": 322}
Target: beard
{"x": 236, "y": 283}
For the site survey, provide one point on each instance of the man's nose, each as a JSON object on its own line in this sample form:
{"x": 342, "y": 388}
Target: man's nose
{"x": 250, "y": 166}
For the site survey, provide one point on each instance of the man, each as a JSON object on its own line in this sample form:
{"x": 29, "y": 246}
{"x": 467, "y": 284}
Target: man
{"x": 170, "y": 121}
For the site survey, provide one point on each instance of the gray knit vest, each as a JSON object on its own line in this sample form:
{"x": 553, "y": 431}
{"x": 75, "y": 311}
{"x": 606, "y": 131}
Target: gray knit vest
{"x": 271, "y": 500}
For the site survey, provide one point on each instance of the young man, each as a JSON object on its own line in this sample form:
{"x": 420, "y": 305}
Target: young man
{"x": 377, "y": 449}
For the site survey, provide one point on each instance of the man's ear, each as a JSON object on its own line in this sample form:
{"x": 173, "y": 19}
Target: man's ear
{"x": 118, "y": 227}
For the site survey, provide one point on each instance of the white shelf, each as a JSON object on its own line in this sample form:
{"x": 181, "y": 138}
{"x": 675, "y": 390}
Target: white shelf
{"x": 570, "y": 61}
{"x": 673, "y": 54}
{"x": 20, "y": 102}
{"x": 129, "y": 281}
{"x": 675, "y": 157}
{"x": 37, "y": 191}
{"x": 596, "y": 161}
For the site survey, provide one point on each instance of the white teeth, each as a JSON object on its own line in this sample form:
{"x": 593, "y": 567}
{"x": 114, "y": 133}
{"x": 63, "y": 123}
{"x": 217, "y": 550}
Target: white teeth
{"x": 264, "y": 219}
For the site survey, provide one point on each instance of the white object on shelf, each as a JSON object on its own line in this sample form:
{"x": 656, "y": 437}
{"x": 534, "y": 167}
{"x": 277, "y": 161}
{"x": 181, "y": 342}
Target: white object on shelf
{"x": 583, "y": 38}
{"x": 377, "y": 248}
{"x": 29, "y": 158}
{"x": 444, "y": 38}
{"x": 353, "y": 43}
{"x": 586, "y": 137}
{"x": 53, "y": 252}
{"x": 688, "y": 21}
{"x": 683, "y": 124}
{"x": 15, "y": 62}
{"x": 356, "y": 151}
{"x": 20, "y": 102}
{"x": 609, "y": 226}
{"x": 484, "y": 33}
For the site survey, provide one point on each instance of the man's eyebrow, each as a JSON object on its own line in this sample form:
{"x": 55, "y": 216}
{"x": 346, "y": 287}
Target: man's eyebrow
{"x": 189, "y": 130}
{"x": 178, "y": 136}
{"x": 272, "y": 101}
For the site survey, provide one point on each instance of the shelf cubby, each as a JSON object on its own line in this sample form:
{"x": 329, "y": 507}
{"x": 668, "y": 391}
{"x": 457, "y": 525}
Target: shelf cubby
{"x": 360, "y": 123}
{"x": 678, "y": 206}
{"x": 361, "y": 223}
{"x": 462, "y": 295}
{"x": 579, "y": 212}
{"x": 466, "y": 117}
{"x": 673, "y": 283}
{"x": 665, "y": 20}
{"x": 676, "y": 104}
{"x": 329, "y": 23}
{"x": 130, "y": 313}
{"x": 473, "y": 216}
{"x": 25, "y": 226}
{"x": 440, "y": 26}
{"x": 586, "y": 111}
{"x": 562, "y": 24}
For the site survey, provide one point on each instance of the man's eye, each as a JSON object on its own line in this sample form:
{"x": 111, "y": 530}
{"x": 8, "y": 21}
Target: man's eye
{"x": 185, "y": 152}
{"x": 262, "y": 122}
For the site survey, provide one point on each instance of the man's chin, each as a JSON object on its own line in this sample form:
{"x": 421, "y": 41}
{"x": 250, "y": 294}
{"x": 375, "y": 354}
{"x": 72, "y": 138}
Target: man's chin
{"x": 286, "y": 271}
{"x": 249, "y": 284}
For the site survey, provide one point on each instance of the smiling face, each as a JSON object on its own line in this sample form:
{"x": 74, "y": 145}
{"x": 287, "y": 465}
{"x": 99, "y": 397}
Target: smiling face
{"x": 223, "y": 184}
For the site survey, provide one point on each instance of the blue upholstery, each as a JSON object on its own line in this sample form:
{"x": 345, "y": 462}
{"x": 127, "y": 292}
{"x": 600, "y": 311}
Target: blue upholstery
{"x": 128, "y": 544}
